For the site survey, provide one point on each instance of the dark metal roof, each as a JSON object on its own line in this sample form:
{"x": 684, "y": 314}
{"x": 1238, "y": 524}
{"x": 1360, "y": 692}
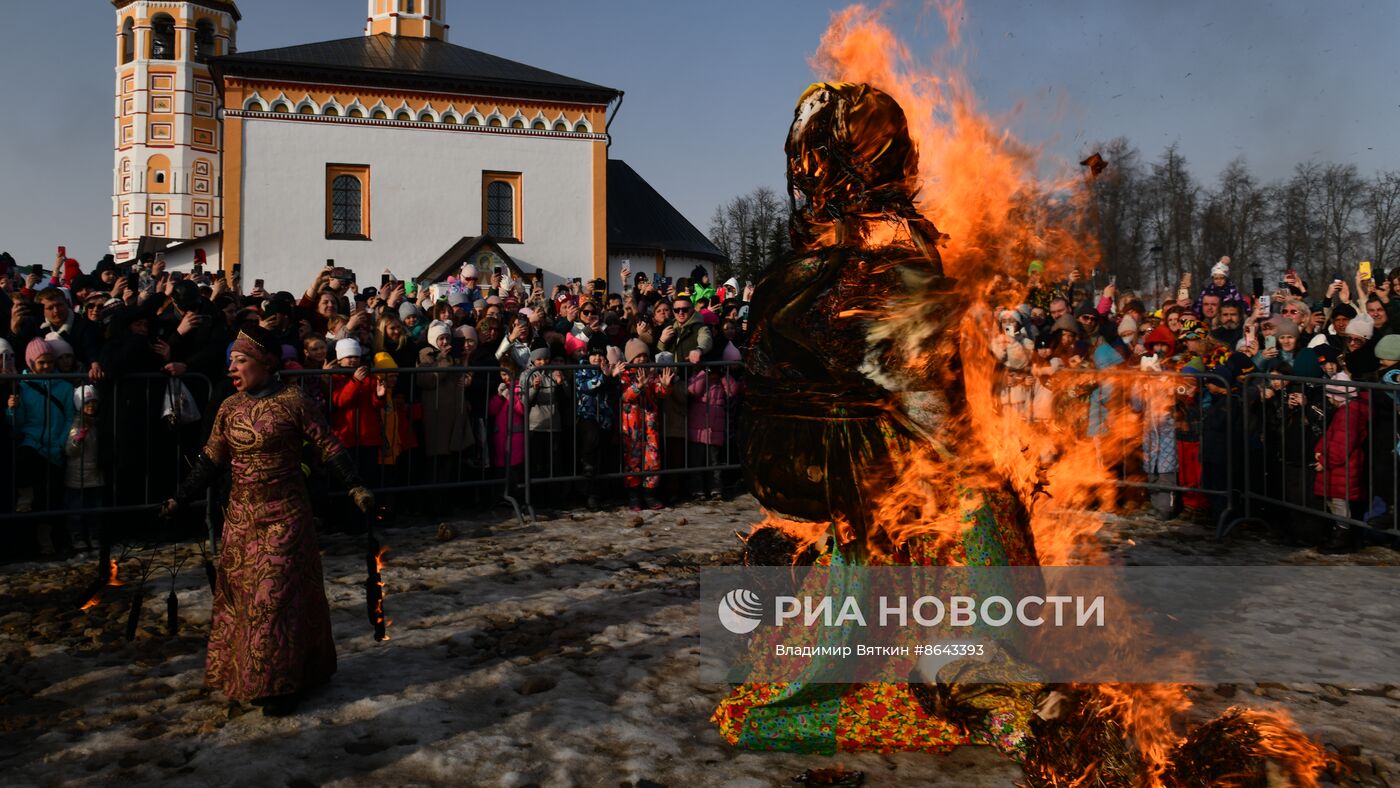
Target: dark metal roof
{"x": 640, "y": 219}
{"x": 410, "y": 63}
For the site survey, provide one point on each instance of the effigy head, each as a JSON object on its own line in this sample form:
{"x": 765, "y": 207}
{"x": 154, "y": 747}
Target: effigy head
{"x": 849, "y": 155}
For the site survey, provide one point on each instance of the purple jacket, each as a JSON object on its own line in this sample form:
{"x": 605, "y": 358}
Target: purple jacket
{"x": 710, "y": 395}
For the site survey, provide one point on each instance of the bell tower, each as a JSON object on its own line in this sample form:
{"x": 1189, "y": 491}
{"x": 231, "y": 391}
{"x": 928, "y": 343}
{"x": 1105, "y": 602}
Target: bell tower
{"x": 168, "y": 145}
{"x": 408, "y": 18}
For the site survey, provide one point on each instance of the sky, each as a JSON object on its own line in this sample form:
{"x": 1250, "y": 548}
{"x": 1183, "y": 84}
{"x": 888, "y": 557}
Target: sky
{"x": 710, "y": 85}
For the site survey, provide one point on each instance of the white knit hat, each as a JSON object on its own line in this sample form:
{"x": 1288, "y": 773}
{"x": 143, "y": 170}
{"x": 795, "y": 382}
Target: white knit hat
{"x": 348, "y": 347}
{"x": 84, "y": 394}
{"x": 1221, "y": 268}
{"x": 1360, "y": 326}
{"x": 59, "y": 344}
{"x": 469, "y": 271}
{"x": 438, "y": 328}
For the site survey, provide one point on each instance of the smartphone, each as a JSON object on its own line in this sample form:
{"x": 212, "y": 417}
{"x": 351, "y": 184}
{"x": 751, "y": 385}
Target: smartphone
{"x": 1183, "y": 294}
{"x": 198, "y": 270}
{"x": 133, "y": 281}
{"x": 1186, "y": 279}
{"x": 63, "y": 252}
{"x": 578, "y": 280}
{"x": 384, "y": 281}
{"x": 539, "y": 276}
{"x": 496, "y": 270}
{"x": 1364, "y": 268}
{"x": 257, "y": 284}
{"x": 160, "y": 257}
{"x": 330, "y": 262}
{"x": 1270, "y": 341}
{"x": 1266, "y": 302}
{"x": 237, "y": 271}
{"x": 36, "y": 269}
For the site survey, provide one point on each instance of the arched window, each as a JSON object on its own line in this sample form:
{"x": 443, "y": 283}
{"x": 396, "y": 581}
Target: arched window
{"x": 561, "y": 126}
{"x": 411, "y": 7}
{"x": 500, "y": 210}
{"x": 205, "y": 46}
{"x": 380, "y": 114}
{"x": 163, "y": 38}
{"x": 346, "y": 199}
{"x": 281, "y": 106}
{"x": 129, "y": 40}
{"x": 403, "y": 115}
{"x": 581, "y": 127}
{"x": 539, "y": 124}
{"x": 426, "y": 117}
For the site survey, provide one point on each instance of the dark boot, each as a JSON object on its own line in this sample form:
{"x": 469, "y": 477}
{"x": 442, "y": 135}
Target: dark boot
{"x": 1344, "y": 539}
{"x": 634, "y": 501}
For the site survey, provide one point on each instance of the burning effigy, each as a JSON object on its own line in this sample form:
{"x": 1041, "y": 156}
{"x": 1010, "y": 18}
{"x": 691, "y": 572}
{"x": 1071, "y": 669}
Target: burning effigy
{"x": 868, "y": 445}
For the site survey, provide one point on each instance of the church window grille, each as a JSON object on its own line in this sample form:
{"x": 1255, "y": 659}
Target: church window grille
{"x": 347, "y": 202}
{"x": 502, "y": 206}
{"x": 345, "y": 205}
{"x": 163, "y": 38}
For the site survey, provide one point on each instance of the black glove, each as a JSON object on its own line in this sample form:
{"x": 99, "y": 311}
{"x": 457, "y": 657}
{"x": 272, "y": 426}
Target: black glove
{"x": 342, "y": 469}
{"x": 195, "y": 483}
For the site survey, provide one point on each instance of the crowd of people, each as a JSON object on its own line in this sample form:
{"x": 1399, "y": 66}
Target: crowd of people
{"x": 640, "y": 386}
{"x": 116, "y": 373}
{"x": 1209, "y": 375}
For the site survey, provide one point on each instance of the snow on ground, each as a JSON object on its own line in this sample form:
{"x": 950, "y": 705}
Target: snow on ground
{"x": 559, "y": 653}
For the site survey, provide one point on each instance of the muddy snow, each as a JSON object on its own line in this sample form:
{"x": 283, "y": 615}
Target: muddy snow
{"x": 559, "y": 653}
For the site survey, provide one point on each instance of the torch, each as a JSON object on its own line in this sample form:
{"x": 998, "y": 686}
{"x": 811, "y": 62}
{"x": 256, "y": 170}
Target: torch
{"x": 374, "y": 583}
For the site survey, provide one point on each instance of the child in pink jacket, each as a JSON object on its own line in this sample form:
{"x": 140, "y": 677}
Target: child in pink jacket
{"x": 712, "y": 390}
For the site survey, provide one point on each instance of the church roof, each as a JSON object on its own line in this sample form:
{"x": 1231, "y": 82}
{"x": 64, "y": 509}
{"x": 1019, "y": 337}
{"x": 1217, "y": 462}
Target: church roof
{"x": 387, "y": 61}
{"x": 218, "y": 5}
{"x": 640, "y": 219}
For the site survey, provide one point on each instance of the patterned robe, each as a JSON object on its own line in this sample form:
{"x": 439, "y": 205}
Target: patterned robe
{"x": 271, "y": 630}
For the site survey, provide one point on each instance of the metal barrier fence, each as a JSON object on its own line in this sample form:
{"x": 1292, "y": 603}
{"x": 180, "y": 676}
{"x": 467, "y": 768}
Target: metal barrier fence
{"x": 1321, "y": 453}
{"x": 1170, "y": 435}
{"x": 1239, "y": 450}
{"x": 411, "y": 431}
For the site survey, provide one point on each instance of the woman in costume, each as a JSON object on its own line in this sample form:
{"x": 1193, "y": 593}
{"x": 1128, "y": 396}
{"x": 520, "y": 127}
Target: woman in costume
{"x": 853, "y": 373}
{"x": 270, "y": 636}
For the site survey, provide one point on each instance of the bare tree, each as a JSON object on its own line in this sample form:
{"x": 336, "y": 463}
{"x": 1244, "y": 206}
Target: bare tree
{"x": 1234, "y": 220}
{"x": 752, "y": 231}
{"x": 1341, "y": 195}
{"x": 1381, "y": 209}
{"x": 1118, "y": 211}
{"x": 1297, "y": 222}
{"x": 1171, "y": 217}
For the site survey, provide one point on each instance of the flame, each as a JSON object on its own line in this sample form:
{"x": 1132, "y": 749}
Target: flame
{"x": 111, "y": 582}
{"x": 982, "y": 187}
{"x": 381, "y": 624}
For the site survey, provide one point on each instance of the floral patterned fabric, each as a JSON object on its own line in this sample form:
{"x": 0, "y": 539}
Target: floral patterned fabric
{"x": 799, "y": 716}
{"x": 271, "y": 628}
{"x": 641, "y": 433}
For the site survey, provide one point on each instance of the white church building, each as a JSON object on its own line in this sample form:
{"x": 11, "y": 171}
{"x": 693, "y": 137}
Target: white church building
{"x": 391, "y": 150}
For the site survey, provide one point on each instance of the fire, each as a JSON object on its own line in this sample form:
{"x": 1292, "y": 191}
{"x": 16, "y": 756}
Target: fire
{"x": 374, "y": 587}
{"x": 981, "y": 187}
{"x": 110, "y": 581}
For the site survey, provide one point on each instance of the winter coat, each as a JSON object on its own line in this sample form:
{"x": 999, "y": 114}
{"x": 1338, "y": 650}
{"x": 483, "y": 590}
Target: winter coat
{"x": 710, "y": 394}
{"x": 43, "y": 417}
{"x": 83, "y": 471}
{"x": 593, "y": 402}
{"x": 693, "y": 334}
{"x": 355, "y": 407}
{"x": 547, "y": 400}
{"x": 507, "y": 412}
{"x": 447, "y": 414}
{"x": 1343, "y": 450}
{"x": 1154, "y": 399}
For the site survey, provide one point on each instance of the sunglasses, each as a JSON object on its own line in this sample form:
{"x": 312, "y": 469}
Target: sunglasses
{"x": 588, "y": 312}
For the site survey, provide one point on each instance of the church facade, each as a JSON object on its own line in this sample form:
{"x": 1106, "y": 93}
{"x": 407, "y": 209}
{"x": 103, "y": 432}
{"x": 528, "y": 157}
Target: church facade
{"x": 385, "y": 151}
